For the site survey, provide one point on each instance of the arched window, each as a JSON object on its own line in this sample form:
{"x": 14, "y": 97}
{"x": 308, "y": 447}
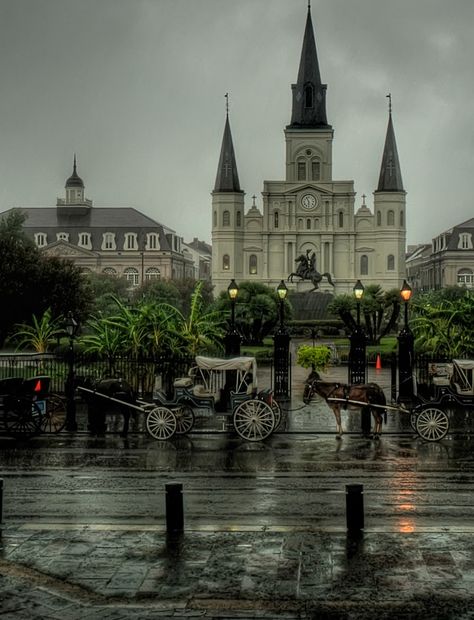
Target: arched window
{"x": 252, "y": 264}
{"x": 340, "y": 217}
{"x": 308, "y": 96}
{"x": 300, "y": 223}
{"x": 226, "y": 218}
{"x": 364, "y": 265}
{"x": 215, "y": 218}
{"x": 465, "y": 277}
{"x": 390, "y": 262}
{"x": 109, "y": 271}
{"x": 316, "y": 223}
{"x": 226, "y": 262}
{"x": 402, "y": 219}
{"x": 238, "y": 219}
{"x": 315, "y": 170}
{"x": 276, "y": 219}
{"x": 62, "y": 236}
{"x": 131, "y": 275}
{"x": 390, "y": 218}
{"x": 301, "y": 169}
{"x": 308, "y": 224}
{"x": 152, "y": 273}
{"x": 379, "y": 218}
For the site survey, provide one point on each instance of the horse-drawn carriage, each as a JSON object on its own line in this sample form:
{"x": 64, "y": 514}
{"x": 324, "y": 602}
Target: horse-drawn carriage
{"x": 450, "y": 388}
{"x": 213, "y": 386}
{"x": 27, "y": 407}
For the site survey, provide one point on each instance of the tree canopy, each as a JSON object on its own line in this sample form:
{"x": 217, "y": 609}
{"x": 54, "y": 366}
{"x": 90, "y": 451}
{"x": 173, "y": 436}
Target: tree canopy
{"x": 31, "y": 283}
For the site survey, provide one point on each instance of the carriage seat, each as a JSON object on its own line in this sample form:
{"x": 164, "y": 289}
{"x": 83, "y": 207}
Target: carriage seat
{"x": 460, "y": 390}
{"x": 183, "y": 382}
{"x": 200, "y": 390}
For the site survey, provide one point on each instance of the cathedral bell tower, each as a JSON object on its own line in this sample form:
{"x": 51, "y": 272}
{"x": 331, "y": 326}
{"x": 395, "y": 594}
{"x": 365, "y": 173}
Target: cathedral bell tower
{"x": 390, "y": 212}
{"x": 227, "y": 216}
{"x": 309, "y": 136}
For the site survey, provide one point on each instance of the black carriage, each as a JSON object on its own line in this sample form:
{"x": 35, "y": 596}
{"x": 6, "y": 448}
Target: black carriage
{"x": 451, "y": 387}
{"x": 28, "y": 408}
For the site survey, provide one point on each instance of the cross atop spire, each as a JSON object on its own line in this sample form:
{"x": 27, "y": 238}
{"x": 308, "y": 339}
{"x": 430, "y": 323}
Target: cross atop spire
{"x": 389, "y": 96}
{"x": 227, "y": 104}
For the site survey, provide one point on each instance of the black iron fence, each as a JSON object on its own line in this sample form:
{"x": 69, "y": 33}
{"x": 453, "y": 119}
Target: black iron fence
{"x": 143, "y": 374}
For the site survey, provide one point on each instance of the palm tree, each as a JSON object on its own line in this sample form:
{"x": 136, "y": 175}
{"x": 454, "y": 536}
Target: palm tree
{"x": 40, "y": 334}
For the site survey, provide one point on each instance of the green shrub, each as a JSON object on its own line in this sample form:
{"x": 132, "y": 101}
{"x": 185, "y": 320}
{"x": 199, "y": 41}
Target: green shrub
{"x": 316, "y": 358}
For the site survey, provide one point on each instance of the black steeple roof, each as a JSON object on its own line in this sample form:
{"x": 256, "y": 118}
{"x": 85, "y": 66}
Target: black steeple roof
{"x": 74, "y": 180}
{"x": 390, "y": 179}
{"x": 309, "y": 95}
{"x": 227, "y": 179}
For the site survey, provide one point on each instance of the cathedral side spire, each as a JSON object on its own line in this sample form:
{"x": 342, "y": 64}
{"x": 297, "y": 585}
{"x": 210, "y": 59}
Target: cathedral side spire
{"x": 309, "y": 94}
{"x": 390, "y": 179}
{"x": 227, "y": 179}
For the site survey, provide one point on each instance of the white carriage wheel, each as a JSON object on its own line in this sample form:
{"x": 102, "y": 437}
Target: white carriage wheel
{"x": 161, "y": 423}
{"x": 254, "y": 420}
{"x": 432, "y": 424}
{"x": 184, "y": 419}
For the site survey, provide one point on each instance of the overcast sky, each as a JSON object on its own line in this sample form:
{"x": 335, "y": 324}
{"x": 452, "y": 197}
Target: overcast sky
{"x": 136, "y": 88}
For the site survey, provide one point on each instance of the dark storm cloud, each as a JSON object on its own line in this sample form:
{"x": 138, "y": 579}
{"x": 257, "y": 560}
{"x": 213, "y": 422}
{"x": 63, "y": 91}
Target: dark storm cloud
{"x": 136, "y": 88}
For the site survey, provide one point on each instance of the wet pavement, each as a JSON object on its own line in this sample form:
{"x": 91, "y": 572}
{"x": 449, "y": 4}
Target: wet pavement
{"x": 84, "y": 532}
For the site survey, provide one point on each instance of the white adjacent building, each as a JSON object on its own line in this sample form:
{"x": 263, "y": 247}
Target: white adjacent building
{"x": 309, "y": 211}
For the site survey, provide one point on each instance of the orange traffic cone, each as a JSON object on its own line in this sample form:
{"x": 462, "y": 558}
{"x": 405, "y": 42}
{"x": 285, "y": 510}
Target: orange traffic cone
{"x": 378, "y": 362}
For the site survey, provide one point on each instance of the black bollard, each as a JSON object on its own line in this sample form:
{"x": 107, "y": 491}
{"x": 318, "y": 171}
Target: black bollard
{"x": 1, "y": 500}
{"x": 174, "y": 508}
{"x": 355, "y": 507}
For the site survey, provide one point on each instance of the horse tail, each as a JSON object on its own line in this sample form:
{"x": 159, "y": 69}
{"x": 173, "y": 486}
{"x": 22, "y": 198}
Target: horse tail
{"x": 329, "y": 279}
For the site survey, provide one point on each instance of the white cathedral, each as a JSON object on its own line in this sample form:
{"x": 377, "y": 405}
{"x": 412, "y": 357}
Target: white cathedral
{"x": 309, "y": 214}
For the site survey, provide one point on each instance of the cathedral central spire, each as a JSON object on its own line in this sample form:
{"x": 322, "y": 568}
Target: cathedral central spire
{"x": 309, "y": 94}
{"x": 390, "y": 178}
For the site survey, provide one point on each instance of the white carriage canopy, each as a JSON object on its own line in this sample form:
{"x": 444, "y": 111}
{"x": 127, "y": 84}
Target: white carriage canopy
{"x": 244, "y": 366}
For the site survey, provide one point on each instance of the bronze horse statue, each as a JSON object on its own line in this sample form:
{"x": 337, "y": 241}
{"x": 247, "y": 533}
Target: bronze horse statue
{"x": 347, "y": 395}
{"x": 306, "y": 270}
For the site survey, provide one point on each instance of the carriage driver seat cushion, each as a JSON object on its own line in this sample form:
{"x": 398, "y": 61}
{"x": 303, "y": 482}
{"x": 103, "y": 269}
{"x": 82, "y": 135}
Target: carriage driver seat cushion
{"x": 183, "y": 382}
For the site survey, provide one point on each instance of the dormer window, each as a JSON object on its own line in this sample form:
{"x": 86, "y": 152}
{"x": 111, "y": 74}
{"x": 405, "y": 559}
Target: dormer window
{"x": 62, "y": 236}
{"x": 465, "y": 241}
{"x": 84, "y": 240}
{"x": 41, "y": 239}
{"x": 152, "y": 241}
{"x": 130, "y": 241}
{"x": 108, "y": 241}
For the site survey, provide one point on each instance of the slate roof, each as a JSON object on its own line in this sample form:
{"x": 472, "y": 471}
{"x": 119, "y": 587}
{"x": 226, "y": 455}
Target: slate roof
{"x": 390, "y": 179}
{"x": 227, "y": 178}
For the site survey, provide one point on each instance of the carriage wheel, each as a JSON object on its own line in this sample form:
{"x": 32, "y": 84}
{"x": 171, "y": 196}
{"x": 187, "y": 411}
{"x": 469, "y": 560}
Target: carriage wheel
{"x": 53, "y": 420}
{"x": 22, "y": 417}
{"x": 184, "y": 419}
{"x": 277, "y": 413}
{"x": 432, "y": 424}
{"x": 161, "y": 423}
{"x": 254, "y": 420}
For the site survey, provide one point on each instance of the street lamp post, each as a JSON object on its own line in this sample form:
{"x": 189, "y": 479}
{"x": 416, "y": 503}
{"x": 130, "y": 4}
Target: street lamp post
{"x": 405, "y": 351}
{"x": 281, "y": 349}
{"x": 357, "y": 356}
{"x": 71, "y": 329}
{"x": 232, "y": 338}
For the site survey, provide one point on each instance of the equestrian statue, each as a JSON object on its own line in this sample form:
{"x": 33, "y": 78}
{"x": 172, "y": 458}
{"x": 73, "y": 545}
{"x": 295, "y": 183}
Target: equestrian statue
{"x": 306, "y": 270}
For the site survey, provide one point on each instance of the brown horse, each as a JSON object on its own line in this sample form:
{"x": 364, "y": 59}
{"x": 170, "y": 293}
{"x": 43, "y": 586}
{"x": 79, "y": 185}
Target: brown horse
{"x": 346, "y": 395}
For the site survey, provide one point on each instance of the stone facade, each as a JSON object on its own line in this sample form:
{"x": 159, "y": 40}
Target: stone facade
{"x": 118, "y": 241}
{"x": 309, "y": 213}
{"x": 447, "y": 261}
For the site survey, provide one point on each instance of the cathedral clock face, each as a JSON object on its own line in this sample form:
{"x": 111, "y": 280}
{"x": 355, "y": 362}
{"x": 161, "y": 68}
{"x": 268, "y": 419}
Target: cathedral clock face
{"x": 308, "y": 202}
